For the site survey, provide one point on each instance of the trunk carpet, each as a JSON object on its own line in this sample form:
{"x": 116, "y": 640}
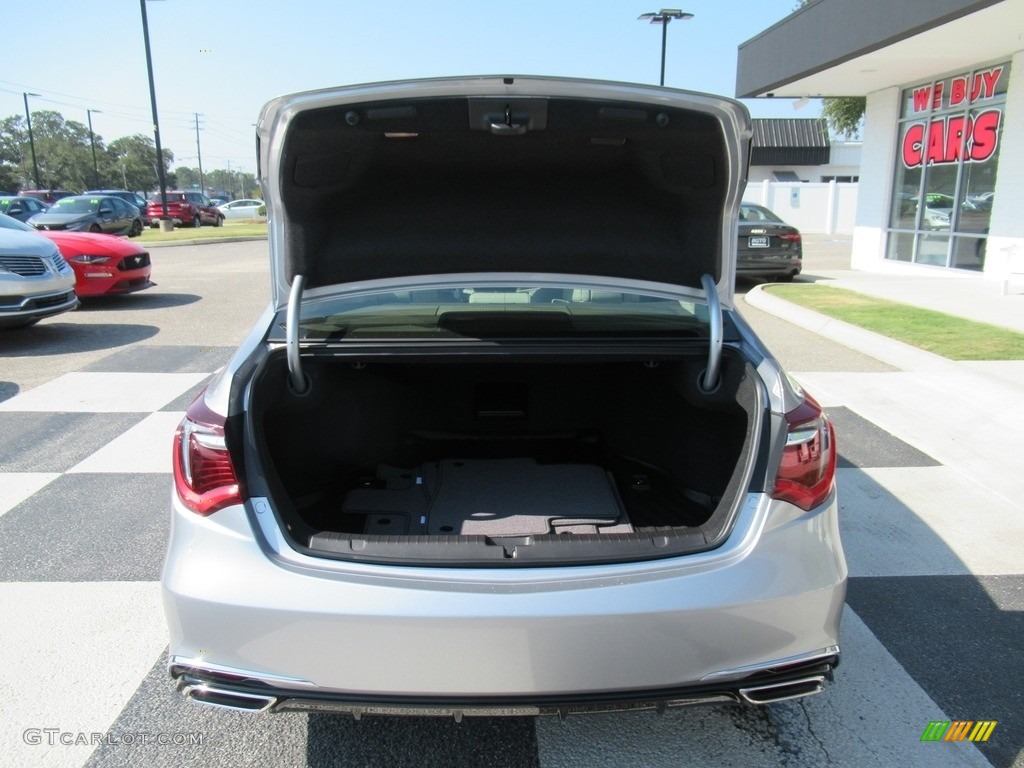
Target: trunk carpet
{"x": 492, "y": 497}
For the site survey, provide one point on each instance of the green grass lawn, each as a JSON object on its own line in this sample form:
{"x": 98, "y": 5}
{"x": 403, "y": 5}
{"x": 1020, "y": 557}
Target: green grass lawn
{"x": 946, "y": 335}
{"x": 243, "y": 228}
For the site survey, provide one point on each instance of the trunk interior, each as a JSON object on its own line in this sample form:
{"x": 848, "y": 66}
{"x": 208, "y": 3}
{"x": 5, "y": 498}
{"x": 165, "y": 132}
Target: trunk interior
{"x": 540, "y": 461}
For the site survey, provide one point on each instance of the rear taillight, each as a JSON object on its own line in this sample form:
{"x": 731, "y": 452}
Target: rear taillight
{"x": 203, "y": 474}
{"x": 790, "y": 237}
{"x": 808, "y": 464}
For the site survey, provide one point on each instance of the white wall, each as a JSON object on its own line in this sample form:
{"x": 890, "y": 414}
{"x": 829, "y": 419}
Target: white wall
{"x": 759, "y": 173}
{"x": 876, "y": 163}
{"x": 828, "y": 208}
{"x": 844, "y": 160}
{"x": 1005, "y": 251}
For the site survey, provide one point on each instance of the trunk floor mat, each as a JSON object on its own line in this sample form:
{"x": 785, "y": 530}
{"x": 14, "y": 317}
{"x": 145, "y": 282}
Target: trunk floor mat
{"x": 490, "y": 497}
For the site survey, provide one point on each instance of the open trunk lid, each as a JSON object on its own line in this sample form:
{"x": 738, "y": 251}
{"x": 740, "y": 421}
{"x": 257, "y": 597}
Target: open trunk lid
{"x": 502, "y": 175}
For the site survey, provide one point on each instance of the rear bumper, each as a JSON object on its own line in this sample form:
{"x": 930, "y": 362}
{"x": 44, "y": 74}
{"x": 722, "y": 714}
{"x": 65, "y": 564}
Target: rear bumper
{"x": 759, "y": 265}
{"x": 246, "y": 691}
{"x": 354, "y": 635}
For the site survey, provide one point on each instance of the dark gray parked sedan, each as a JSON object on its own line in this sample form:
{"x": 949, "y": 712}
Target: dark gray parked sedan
{"x": 91, "y": 213}
{"x": 767, "y": 246}
{"x": 21, "y": 208}
{"x": 500, "y": 443}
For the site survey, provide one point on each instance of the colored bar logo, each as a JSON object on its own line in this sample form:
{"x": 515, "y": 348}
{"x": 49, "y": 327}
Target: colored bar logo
{"x": 958, "y": 730}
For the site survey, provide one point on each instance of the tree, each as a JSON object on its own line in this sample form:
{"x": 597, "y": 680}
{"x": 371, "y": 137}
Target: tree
{"x": 188, "y": 178}
{"x": 844, "y": 114}
{"x": 132, "y": 161}
{"x": 13, "y": 143}
{"x": 236, "y": 184}
{"x": 62, "y": 152}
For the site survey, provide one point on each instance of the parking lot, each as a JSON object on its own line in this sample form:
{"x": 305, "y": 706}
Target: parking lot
{"x": 88, "y": 401}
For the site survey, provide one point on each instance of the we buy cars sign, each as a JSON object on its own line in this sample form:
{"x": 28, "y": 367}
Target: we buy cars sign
{"x": 947, "y": 139}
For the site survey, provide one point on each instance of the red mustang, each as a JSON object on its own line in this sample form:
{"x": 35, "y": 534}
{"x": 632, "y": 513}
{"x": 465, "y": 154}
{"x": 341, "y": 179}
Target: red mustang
{"x": 103, "y": 264}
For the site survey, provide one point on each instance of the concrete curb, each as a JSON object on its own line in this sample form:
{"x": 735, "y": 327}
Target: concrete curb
{"x": 204, "y": 241}
{"x": 891, "y": 351}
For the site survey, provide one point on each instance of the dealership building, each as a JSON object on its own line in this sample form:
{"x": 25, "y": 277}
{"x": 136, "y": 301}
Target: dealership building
{"x": 942, "y": 165}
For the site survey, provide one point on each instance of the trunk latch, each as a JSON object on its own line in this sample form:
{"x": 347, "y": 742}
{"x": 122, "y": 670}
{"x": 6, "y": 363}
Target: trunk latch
{"x": 508, "y": 117}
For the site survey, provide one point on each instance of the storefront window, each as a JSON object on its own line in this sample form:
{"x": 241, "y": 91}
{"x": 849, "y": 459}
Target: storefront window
{"x": 945, "y": 174}
{"x": 906, "y": 192}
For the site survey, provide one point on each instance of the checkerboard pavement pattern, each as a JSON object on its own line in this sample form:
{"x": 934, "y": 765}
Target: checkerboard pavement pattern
{"x": 84, "y": 489}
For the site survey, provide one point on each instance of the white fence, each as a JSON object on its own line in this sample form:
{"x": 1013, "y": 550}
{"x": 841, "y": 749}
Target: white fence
{"x": 827, "y": 208}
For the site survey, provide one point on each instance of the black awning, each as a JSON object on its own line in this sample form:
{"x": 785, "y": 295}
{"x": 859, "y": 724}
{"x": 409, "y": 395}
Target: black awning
{"x": 790, "y": 141}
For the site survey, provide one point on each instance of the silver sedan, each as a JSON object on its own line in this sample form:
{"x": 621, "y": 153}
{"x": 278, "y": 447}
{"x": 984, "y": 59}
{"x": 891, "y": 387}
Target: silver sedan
{"x": 500, "y": 443}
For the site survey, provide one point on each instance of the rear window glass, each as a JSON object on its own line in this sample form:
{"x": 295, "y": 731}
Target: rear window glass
{"x": 490, "y": 311}
{"x": 757, "y": 213}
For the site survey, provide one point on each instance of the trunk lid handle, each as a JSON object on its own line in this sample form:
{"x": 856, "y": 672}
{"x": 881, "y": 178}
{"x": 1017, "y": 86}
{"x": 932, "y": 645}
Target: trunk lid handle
{"x": 710, "y": 381}
{"x": 299, "y": 382}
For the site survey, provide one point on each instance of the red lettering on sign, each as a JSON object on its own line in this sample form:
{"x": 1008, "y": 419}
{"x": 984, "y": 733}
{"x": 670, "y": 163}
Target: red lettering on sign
{"x": 982, "y": 85}
{"x": 989, "y": 80}
{"x": 948, "y": 140}
{"x": 921, "y": 98}
{"x": 936, "y": 144}
{"x": 957, "y": 91}
{"x": 984, "y": 135}
{"x": 976, "y": 84}
{"x": 955, "y": 138}
{"x": 912, "y": 143}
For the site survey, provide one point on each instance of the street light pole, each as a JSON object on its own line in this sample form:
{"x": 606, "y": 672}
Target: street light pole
{"x": 199, "y": 154}
{"x": 92, "y": 143}
{"x": 31, "y": 141}
{"x": 156, "y": 120}
{"x": 663, "y": 17}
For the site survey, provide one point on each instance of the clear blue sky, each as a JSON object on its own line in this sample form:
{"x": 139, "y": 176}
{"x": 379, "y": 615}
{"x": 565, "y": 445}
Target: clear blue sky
{"x": 225, "y": 58}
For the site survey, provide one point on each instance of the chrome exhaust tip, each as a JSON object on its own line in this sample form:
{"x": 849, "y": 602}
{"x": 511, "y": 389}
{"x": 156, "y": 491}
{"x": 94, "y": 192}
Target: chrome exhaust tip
{"x": 233, "y": 700}
{"x": 785, "y": 691}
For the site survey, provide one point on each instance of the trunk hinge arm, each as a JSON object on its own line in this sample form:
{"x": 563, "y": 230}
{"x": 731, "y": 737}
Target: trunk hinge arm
{"x": 298, "y": 380}
{"x": 710, "y": 381}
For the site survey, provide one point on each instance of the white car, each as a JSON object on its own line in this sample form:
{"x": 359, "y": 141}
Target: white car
{"x": 35, "y": 280}
{"x": 500, "y": 443}
{"x": 241, "y": 209}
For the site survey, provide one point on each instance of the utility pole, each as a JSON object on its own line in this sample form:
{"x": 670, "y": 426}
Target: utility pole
{"x": 231, "y": 180}
{"x": 31, "y": 141}
{"x": 92, "y": 143}
{"x": 156, "y": 121}
{"x": 199, "y": 154}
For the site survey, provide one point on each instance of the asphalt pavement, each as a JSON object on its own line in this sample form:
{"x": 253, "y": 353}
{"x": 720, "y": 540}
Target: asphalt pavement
{"x": 931, "y": 518}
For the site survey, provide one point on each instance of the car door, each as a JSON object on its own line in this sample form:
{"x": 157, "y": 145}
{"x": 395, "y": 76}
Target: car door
{"x": 196, "y": 200}
{"x": 124, "y": 214}
{"x": 32, "y": 207}
{"x": 210, "y": 210}
{"x": 18, "y": 209}
{"x": 106, "y": 216}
